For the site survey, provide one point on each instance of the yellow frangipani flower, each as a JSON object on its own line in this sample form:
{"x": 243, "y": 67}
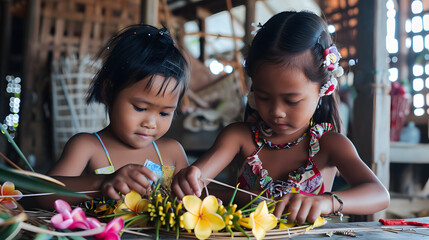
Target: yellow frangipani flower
{"x": 320, "y": 221}
{"x": 261, "y": 220}
{"x": 133, "y": 203}
{"x": 201, "y": 215}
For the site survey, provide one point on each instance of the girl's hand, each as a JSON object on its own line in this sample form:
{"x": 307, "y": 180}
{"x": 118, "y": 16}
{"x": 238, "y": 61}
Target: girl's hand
{"x": 130, "y": 177}
{"x": 303, "y": 208}
{"x": 187, "y": 182}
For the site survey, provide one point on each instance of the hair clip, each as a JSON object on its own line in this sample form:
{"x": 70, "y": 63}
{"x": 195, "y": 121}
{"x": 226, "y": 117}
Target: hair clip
{"x": 329, "y": 87}
{"x": 331, "y": 57}
{"x": 163, "y": 31}
{"x": 256, "y": 25}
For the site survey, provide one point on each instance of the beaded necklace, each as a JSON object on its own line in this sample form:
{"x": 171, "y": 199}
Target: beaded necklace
{"x": 278, "y": 146}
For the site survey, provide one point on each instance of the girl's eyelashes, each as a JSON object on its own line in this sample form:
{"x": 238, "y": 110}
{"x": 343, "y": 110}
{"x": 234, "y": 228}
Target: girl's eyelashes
{"x": 165, "y": 114}
{"x": 292, "y": 103}
{"x": 162, "y": 114}
{"x": 139, "y": 109}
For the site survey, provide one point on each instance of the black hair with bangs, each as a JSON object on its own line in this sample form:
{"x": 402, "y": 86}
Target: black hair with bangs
{"x": 136, "y": 53}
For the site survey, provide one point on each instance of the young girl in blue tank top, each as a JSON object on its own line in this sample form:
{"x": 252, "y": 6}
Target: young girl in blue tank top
{"x": 290, "y": 144}
{"x": 142, "y": 79}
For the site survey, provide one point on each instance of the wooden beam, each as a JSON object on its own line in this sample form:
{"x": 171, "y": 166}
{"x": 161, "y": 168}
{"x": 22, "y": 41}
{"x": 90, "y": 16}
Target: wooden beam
{"x": 370, "y": 132}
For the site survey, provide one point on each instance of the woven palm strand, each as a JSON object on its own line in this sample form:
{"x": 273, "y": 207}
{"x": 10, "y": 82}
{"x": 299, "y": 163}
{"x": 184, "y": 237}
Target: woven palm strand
{"x": 271, "y": 234}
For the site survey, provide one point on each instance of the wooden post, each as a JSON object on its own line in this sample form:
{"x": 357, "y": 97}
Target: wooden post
{"x": 371, "y": 128}
{"x": 149, "y": 12}
{"x": 5, "y": 31}
{"x": 250, "y": 18}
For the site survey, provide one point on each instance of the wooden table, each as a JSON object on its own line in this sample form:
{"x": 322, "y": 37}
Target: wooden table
{"x": 363, "y": 230}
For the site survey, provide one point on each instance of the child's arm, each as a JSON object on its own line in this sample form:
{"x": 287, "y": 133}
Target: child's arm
{"x": 188, "y": 181}
{"x": 366, "y": 194}
{"x": 75, "y": 158}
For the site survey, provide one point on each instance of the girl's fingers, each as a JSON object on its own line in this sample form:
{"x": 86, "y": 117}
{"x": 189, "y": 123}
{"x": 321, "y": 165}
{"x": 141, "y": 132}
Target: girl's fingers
{"x": 147, "y": 173}
{"x": 193, "y": 177}
{"x": 186, "y": 188}
{"x": 303, "y": 212}
{"x": 280, "y": 207}
{"x": 313, "y": 214}
{"x": 112, "y": 193}
{"x": 293, "y": 207}
{"x": 178, "y": 191}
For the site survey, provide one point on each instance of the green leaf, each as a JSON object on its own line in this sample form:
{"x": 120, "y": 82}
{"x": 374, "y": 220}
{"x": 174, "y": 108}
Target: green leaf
{"x": 77, "y": 238}
{"x": 43, "y": 236}
{"x": 7, "y": 231}
{"x": 35, "y": 184}
{"x": 9, "y": 139}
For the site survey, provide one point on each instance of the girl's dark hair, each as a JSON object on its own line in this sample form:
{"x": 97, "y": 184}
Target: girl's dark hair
{"x": 136, "y": 52}
{"x": 288, "y": 34}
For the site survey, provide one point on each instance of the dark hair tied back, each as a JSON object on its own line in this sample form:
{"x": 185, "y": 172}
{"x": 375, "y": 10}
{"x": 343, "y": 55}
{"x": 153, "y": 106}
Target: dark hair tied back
{"x": 283, "y": 40}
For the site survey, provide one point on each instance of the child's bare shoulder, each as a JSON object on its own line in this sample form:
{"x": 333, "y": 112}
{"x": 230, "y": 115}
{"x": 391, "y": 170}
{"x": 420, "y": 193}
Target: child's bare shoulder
{"x": 336, "y": 144}
{"x": 239, "y": 129}
{"x": 172, "y": 152}
{"x": 168, "y": 143}
{"x": 83, "y": 139}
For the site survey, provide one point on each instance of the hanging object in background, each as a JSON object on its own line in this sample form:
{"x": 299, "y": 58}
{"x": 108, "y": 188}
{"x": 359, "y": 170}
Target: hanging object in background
{"x": 13, "y": 89}
{"x": 399, "y": 109}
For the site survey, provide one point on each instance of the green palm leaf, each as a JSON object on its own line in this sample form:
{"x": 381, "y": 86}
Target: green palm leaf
{"x": 35, "y": 184}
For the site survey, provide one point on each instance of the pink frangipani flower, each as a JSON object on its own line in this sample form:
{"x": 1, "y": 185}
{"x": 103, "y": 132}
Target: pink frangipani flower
{"x": 71, "y": 219}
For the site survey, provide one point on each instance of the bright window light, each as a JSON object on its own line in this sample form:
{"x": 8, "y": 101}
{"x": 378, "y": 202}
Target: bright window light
{"x": 391, "y": 45}
{"x": 228, "y": 69}
{"x": 427, "y": 68}
{"x": 418, "y": 100}
{"x": 418, "y": 84}
{"x": 408, "y": 42}
{"x": 331, "y": 28}
{"x": 216, "y": 67}
{"x": 393, "y": 74}
{"x": 390, "y": 5}
{"x": 427, "y": 98}
{"x": 417, "y": 43}
{"x": 416, "y": 7}
{"x": 427, "y": 82}
{"x": 419, "y": 112}
{"x": 416, "y": 24}
{"x": 408, "y": 25}
{"x": 417, "y": 70}
{"x": 426, "y": 22}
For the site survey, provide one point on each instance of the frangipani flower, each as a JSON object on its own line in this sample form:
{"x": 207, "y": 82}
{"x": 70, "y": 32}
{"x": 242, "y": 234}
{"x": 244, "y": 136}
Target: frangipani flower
{"x": 134, "y": 204}
{"x": 261, "y": 220}
{"x": 111, "y": 232}
{"x": 8, "y": 188}
{"x": 201, "y": 215}
{"x": 320, "y": 221}
{"x": 68, "y": 219}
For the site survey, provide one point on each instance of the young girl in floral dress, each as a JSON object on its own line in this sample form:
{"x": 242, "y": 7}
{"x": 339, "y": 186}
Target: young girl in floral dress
{"x": 291, "y": 144}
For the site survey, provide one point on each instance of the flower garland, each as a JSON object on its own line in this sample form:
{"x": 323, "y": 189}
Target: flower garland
{"x": 202, "y": 216}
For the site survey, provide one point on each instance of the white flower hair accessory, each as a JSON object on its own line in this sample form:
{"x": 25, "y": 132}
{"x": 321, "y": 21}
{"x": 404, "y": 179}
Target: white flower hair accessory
{"x": 331, "y": 61}
{"x": 328, "y": 88}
